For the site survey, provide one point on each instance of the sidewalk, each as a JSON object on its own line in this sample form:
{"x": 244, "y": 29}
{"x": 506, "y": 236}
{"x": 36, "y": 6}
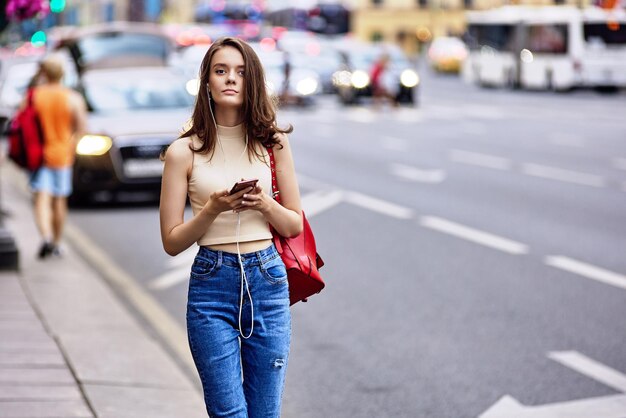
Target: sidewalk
{"x": 69, "y": 347}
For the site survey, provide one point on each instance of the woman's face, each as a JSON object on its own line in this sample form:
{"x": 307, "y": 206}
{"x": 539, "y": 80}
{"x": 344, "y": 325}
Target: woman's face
{"x": 226, "y": 77}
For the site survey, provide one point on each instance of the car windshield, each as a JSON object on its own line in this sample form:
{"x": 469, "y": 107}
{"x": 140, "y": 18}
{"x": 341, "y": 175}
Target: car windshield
{"x": 123, "y": 93}
{"x": 97, "y": 48}
{"x": 16, "y": 81}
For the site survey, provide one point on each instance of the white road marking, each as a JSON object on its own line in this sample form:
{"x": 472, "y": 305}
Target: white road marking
{"x": 474, "y": 235}
{"x": 395, "y": 144}
{"x": 587, "y": 270}
{"x": 317, "y": 202}
{"x": 612, "y": 406}
{"x": 566, "y": 140}
{"x": 171, "y": 278}
{"x": 619, "y": 163}
{"x": 378, "y": 205}
{"x": 591, "y": 368}
{"x": 560, "y": 174}
{"x": 183, "y": 259}
{"x": 418, "y": 175}
{"x": 479, "y": 159}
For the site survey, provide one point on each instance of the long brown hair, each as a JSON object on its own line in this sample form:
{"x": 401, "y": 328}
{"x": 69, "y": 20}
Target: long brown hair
{"x": 258, "y": 108}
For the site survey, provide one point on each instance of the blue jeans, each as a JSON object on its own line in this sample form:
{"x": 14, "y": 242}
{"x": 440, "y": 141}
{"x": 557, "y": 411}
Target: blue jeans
{"x": 241, "y": 378}
{"x": 56, "y": 181}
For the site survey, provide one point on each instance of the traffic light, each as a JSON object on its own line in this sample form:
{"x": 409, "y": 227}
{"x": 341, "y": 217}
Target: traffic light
{"x": 38, "y": 39}
{"x": 57, "y": 6}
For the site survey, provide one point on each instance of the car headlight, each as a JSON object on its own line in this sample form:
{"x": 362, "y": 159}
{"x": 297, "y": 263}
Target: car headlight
{"x": 409, "y": 78}
{"x": 306, "y": 86}
{"x": 360, "y": 79}
{"x": 94, "y": 145}
{"x": 193, "y": 86}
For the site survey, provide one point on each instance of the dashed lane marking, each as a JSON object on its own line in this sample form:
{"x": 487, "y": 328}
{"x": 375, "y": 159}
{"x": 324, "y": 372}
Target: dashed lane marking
{"x": 318, "y": 202}
{"x": 171, "y": 278}
{"x": 479, "y": 159}
{"x": 470, "y": 234}
{"x": 377, "y": 205}
{"x": 587, "y": 270}
{"x": 417, "y": 175}
{"x": 560, "y": 174}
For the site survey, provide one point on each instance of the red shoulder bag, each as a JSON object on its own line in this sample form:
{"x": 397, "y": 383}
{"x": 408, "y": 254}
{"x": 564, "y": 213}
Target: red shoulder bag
{"x": 298, "y": 253}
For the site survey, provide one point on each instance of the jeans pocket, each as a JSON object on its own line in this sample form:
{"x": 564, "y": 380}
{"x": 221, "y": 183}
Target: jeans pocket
{"x": 204, "y": 268}
{"x": 274, "y": 271}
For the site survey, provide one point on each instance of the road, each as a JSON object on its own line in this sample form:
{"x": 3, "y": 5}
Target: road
{"x": 475, "y": 255}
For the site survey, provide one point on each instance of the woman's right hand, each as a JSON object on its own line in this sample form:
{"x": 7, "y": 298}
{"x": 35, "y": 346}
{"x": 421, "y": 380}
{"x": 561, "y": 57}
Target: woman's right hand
{"x": 222, "y": 201}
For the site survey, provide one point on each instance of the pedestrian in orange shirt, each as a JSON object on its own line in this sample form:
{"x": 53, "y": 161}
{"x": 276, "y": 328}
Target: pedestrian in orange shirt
{"x": 62, "y": 113}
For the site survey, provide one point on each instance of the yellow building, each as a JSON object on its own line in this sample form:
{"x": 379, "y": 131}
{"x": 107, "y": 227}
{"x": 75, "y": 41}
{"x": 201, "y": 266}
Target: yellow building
{"x": 412, "y": 23}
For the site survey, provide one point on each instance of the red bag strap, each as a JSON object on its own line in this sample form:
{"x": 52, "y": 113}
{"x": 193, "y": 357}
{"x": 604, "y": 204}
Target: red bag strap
{"x": 29, "y": 96}
{"x": 275, "y": 191}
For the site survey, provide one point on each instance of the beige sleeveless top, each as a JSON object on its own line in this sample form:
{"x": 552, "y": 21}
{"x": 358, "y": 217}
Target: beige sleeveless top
{"x": 228, "y": 164}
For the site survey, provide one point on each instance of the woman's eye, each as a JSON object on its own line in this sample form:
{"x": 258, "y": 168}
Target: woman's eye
{"x": 241, "y": 73}
{"x": 220, "y": 72}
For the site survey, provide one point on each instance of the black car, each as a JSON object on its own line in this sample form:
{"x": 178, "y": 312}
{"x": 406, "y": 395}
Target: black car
{"x": 134, "y": 113}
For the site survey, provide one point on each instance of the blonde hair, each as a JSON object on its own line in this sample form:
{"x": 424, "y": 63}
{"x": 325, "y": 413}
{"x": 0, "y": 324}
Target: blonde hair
{"x": 51, "y": 67}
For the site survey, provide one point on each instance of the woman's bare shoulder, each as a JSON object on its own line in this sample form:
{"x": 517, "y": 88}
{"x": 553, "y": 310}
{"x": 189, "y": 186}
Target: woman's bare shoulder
{"x": 180, "y": 150}
{"x": 283, "y": 141}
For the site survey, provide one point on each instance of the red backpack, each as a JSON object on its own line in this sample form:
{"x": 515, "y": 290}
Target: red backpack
{"x": 26, "y": 137}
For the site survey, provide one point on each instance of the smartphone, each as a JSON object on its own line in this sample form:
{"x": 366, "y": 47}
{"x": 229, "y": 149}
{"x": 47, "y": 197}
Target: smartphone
{"x": 243, "y": 184}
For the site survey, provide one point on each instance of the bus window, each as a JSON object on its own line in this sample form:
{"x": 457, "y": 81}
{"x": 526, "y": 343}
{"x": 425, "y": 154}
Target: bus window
{"x": 498, "y": 37}
{"x": 605, "y": 33}
{"x": 547, "y": 39}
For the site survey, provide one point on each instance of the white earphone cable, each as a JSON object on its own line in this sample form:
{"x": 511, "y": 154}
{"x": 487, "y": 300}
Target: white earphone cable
{"x": 244, "y": 278}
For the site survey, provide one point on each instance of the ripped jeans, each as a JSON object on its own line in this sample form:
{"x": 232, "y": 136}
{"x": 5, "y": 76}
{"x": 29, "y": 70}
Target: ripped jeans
{"x": 242, "y": 378}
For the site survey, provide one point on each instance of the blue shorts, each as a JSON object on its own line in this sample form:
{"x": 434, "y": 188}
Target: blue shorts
{"x": 57, "y": 182}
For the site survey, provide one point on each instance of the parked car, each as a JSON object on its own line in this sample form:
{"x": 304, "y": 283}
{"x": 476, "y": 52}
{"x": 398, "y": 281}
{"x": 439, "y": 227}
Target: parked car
{"x": 304, "y": 83}
{"x": 353, "y": 79}
{"x": 447, "y": 53}
{"x": 134, "y": 113}
{"x": 114, "y": 44}
{"x": 308, "y": 50}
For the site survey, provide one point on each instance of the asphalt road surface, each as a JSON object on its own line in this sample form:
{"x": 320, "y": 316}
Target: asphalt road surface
{"x": 475, "y": 252}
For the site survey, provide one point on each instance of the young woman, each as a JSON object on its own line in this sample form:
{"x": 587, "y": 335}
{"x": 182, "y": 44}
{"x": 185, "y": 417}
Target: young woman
{"x": 238, "y": 318}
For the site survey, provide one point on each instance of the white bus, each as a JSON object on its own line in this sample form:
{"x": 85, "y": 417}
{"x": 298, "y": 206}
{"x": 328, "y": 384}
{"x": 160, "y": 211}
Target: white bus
{"x": 549, "y": 47}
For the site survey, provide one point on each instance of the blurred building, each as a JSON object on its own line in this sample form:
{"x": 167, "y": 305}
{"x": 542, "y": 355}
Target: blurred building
{"x": 84, "y": 12}
{"x": 412, "y": 23}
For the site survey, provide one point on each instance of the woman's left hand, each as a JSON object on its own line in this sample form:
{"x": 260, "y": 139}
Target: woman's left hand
{"x": 255, "y": 200}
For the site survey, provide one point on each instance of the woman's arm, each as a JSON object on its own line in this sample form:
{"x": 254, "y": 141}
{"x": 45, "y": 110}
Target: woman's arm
{"x": 176, "y": 234}
{"x": 285, "y": 217}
